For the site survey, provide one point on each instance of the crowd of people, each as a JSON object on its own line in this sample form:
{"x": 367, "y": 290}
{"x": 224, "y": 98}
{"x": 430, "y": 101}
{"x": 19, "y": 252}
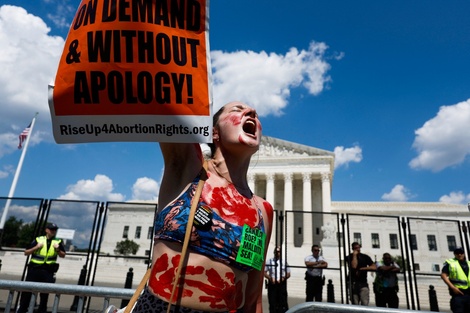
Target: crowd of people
{"x": 385, "y": 284}
{"x": 455, "y": 274}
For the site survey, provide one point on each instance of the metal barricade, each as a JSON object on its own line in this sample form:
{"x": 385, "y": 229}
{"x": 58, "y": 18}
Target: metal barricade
{"x": 62, "y": 289}
{"x": 322, "y": 307}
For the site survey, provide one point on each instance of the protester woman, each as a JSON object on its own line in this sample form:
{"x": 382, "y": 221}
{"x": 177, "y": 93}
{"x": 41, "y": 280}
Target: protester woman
{"x": 223, "y": 268}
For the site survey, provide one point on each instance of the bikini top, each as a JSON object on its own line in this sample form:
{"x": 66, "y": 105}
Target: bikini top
{"x": 239, "y": 246}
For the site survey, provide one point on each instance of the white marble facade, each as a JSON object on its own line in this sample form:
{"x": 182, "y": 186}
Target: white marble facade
{"x": 297, "y": 180}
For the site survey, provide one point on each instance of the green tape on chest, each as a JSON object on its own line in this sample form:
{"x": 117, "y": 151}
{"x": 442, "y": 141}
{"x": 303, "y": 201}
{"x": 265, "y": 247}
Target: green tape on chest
{"x": 251, "y": 250}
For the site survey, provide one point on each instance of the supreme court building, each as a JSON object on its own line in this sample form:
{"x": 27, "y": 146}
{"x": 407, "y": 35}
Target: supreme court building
{"x": 297, "y": 180}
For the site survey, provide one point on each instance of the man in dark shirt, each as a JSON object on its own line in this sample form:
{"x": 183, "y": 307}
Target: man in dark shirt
{"x": 359, "y": 265}
{"x": 455, "y": 273}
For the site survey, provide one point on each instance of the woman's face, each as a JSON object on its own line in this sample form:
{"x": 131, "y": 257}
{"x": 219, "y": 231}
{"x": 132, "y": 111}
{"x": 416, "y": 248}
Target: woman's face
{"x": 238, "y": 124}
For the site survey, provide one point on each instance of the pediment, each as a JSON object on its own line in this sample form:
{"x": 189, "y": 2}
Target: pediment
{"x": 274, "y": 147}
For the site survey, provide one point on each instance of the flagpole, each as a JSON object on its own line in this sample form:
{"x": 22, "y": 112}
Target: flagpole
{"x": 15, "y": 179}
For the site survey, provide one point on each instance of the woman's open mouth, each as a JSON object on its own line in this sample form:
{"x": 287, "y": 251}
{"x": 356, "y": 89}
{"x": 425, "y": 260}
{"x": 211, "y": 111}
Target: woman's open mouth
{"x": 250, "y": 127}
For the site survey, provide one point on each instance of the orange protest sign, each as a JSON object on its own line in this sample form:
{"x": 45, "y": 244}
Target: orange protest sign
{"x": 134, "y": 70}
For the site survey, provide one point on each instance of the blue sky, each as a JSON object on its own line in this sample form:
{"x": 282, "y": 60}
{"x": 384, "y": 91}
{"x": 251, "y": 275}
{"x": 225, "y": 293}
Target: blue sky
{"x": 383, "y": 84}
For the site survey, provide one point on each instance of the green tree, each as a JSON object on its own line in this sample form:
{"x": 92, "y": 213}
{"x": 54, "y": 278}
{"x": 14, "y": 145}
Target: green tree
{"x": 126, "y": 247}
{"x": 399, "y": 260}
{"x": 26, "y": 234}
{"x": 11, "y": 231}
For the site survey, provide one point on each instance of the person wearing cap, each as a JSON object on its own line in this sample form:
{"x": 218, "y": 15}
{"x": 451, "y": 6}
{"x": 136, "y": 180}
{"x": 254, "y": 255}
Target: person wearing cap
{"x": 455, "y": 273}
{"x": 43, "y": 265}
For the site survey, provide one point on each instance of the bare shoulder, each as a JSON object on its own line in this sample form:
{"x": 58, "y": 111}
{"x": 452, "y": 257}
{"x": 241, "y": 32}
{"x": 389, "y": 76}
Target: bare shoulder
{"x": 265, "y": 207}
{"x": 268, "y": 212}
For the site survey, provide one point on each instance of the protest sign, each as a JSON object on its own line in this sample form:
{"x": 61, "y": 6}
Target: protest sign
{"x": 134, "y": 70}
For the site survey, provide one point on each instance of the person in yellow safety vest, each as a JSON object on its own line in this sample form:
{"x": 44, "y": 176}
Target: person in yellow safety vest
{"x": 455, "y": 274}
{"x": 43, "y": 265}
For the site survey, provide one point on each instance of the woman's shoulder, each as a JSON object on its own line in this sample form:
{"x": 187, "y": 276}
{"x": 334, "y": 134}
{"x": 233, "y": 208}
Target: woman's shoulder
{"x": 266, "y": 208}
{"x": 265, "y": 204}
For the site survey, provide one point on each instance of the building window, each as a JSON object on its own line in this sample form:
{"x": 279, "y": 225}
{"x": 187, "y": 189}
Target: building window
{"x": 451, "y": 243}
{"x": 413, "y": 242}
{"x": 147, "y": 252}
{"x": 150, "y": 233}
{"x": 375, "y": 241}
{"x": 138, "y": 230}
{"x": 416, "y": 267}
{"x": 357, "y": 238}
{"x": 393, "y": 241}
{"x": 436, "y": 268}
{"x": 125, "y": 233}
{"x": 432, "y": 243}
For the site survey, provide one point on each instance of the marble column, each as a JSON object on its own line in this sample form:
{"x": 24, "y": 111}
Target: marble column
{"x": 326, "y": 192}
{"x": 307, "y": 208}
{"x": 270, "y": 189}
{"x": 329, "y": 244}
{"x": 270, "y": 199}
{"x": 251, "y": 182}
{"x": 288, "y": 217}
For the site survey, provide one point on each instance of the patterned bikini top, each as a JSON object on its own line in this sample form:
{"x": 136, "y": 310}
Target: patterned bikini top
{"x": 212, "y": 236}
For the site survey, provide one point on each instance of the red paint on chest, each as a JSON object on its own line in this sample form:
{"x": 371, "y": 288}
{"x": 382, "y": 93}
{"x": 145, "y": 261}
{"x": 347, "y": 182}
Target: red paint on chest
{"x": 269, "y": 211}
{"x": 233, "y": 207}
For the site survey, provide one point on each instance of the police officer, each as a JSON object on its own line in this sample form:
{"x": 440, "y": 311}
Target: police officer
{"x": 455, "y": 273}
{"x": 314, "y": 275}
{"x": 277, "y": 271}
{"x": 43, "y": 264}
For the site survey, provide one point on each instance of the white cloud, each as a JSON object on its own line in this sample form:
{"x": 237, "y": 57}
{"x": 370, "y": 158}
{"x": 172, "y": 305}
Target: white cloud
{"x": 3, "y": 174}
{"x": 264, "y": 80}
{"x": 8, "y": 142}
{"x": 145, "y": 189}
{"x": 98, "y": 189}
{"x": 455, "y": 197}
{"x": 398, "y": 193}
{"x": 60, "y": 16}
{"x": 345, "y": 156}
{"x": 7, "y": 170}
{"x": 444, "y": 140}
{"x": 28, "y": 62}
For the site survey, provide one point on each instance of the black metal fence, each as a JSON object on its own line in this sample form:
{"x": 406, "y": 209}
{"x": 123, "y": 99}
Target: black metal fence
{"x": 420, "y": 244}
{"x": 83, "y": 225}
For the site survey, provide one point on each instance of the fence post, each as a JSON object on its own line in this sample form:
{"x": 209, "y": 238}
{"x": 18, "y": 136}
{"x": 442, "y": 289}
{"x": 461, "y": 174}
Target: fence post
{"x": 433, "y": 299}
{"x": 330, "y": 295}
{"x": 128, "y": 285}
{"x": 81, "y": 282}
